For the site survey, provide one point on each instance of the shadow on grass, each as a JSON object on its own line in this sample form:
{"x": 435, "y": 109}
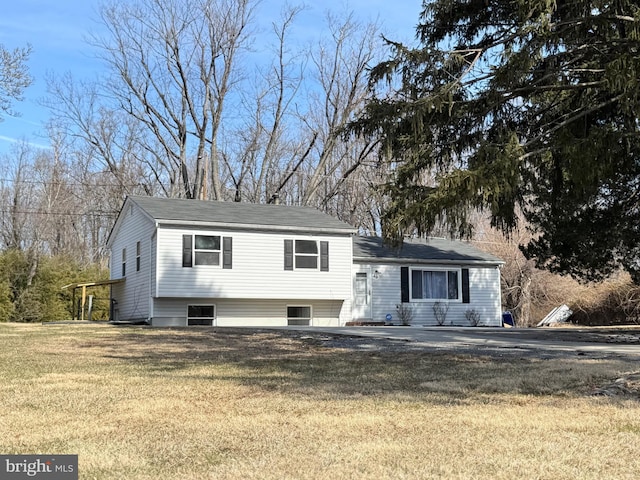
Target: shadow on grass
{"x": 300, "y": 363}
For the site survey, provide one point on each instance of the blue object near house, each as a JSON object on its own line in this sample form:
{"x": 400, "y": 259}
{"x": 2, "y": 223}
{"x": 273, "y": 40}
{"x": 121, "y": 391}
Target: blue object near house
{"x": 507, "y": 319}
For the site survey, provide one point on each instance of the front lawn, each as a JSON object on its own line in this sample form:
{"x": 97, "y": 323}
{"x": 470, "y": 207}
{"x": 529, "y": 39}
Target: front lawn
{"x": 140, "y": 403}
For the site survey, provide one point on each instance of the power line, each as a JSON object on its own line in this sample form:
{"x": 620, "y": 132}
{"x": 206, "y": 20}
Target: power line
{"x": 68, "y": 184}
{"x": 62, "y": 214}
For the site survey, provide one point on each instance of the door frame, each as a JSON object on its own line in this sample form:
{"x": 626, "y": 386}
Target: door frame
{"x": 362, "y": 312}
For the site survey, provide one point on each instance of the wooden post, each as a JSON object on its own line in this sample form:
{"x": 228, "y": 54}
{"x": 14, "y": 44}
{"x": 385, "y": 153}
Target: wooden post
{"x": 84, "y": 298}
{"x": 73, "y": 304}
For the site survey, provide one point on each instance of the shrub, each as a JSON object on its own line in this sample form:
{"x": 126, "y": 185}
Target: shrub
{"x": 472, "y": 316}
{"x": 31, "y": 287}
{"x": 440, "y": 310}
{"x": 615, "y": 302}
{"x": 405, "y": 314}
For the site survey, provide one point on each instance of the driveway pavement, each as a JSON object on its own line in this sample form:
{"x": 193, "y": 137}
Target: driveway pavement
{"x": 538, "y": 342}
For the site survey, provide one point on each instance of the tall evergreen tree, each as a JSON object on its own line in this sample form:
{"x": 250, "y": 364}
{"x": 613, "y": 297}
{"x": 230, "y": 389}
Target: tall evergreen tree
{"x": 518, "y": 105}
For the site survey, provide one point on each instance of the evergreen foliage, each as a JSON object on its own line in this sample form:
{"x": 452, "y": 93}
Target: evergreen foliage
{"x": 14, "y": 77}
{"x": 31, "y": 287}
{"x": 517, "y": 105}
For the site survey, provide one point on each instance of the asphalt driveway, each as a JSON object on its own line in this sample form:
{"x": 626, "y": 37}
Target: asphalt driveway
{"x": 538, "y": 342}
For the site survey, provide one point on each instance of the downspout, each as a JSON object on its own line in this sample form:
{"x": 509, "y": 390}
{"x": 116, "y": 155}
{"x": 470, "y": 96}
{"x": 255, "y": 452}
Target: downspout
{"x": 150, "y": 315}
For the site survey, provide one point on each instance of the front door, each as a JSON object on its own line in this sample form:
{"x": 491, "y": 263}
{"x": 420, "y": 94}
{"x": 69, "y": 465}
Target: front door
{"x": 362, "y": 300}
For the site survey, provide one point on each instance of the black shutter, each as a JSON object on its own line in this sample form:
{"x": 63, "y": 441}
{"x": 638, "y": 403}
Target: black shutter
{"x": 187, "y": 249}
{"x": 227, "y": 244}
{"x": 465, "y": 286}
{"x": 416, "y": 284}
{"x": 288, "y": 254}
{"x": 404, "y": 284}
{"x": 324, "y": 256}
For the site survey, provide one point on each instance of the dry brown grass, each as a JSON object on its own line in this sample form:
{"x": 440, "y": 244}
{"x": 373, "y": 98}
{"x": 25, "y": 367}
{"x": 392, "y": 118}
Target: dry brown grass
{"x": 197, "y": 404}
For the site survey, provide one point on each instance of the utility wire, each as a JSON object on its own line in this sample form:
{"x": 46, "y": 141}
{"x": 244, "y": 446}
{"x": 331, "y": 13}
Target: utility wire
{"x": 67, "y": 214}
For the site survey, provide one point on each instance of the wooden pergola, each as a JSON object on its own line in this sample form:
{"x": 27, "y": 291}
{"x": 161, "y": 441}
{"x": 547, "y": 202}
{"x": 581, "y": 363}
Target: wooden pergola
{"x": 84, "y": 286}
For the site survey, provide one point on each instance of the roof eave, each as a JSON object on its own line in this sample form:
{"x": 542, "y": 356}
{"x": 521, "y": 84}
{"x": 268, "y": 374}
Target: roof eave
{"x": 254, "y": 227}
{"x": 475, "y": 262}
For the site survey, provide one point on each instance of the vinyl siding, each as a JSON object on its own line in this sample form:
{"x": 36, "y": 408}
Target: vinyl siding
{"x": 484, "y": 291}
{"x": 257, "y": 289}
{"x": 247, "y": 313}
{"x": 133, "y": 295}
{"x": 258, "y": 269}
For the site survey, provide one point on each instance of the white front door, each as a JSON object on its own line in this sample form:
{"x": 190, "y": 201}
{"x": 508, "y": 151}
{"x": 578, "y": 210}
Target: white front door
{"x": 362, "y": 296}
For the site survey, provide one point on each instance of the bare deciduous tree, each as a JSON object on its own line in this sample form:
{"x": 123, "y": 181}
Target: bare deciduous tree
{"x": 341, "y": 64}
{"x": 289, "y": 144}
{"x": 157, "y": 123}
{"x": 172, "y": 66}
{"x": 18, "y": 198}
{"x": 266, "y": 139}
{"x": 528, "y": 292}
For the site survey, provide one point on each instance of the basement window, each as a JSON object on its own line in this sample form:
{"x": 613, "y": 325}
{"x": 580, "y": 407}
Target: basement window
{"x": 201, "y": 315}
{"x": 299, "y": 315}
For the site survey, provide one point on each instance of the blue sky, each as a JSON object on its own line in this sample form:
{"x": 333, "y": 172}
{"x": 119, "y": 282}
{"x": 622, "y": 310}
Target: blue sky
{"x": 56, "y": 30}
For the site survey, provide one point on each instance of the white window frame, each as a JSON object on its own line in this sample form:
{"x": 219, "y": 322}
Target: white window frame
{"x": 358, "y": 295}
{"x": 310, "y": 318}
{"x": 458, "y": 270}
{"x": 213, "y": 318}
{"x": 314, "y": 255}
{"x": 138, "y": 256}
{"x": 205, "y": 250}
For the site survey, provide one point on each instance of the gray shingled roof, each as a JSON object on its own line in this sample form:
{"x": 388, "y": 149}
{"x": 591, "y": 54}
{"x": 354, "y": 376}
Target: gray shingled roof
{"x": 432, "y": 250}
{"x": 245, "y": 215}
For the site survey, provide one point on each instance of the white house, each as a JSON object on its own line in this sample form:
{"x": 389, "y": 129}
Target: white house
{"x": 426, "y": 282}
{"x": 178, "y": 262}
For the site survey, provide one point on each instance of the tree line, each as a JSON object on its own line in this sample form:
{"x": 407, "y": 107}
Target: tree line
{"x": 504, "y": 118}
{"x": 188, "y": 107}
{"x": 198, "y": 100}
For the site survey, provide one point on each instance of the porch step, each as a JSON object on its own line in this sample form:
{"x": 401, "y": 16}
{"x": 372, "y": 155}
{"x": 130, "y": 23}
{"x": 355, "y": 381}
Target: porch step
{"x": 365, "y": 324}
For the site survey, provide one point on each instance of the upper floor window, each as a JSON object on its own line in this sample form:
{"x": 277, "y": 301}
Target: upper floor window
{"x": 306, "y": 254}
{"x": 124, "y": 262}
{"x": 138, "y": 254}
{"x": 206, "y": 250}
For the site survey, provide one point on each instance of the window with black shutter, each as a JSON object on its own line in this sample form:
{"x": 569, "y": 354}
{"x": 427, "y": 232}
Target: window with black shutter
{"x": 227, "y": 244}
{"x": 404, "y": 284}
{"x": 288, "y": 254}
{"x": 324, "y": 256}
{"x": 465, "y": 286}
{"x": 306, "y": 255}
{"x": 187, "y": 251}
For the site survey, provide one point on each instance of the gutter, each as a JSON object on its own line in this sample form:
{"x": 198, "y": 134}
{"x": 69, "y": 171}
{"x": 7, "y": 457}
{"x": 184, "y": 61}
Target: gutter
{"x": 250, "y": 227}
{"x": 429, "y": 261}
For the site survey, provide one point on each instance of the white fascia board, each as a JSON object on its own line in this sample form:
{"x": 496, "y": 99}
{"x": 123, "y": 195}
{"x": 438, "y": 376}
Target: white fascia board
{"x": 427, "y": 261}
{"x": 116, "y": 224}
{"x": 121, "y": 215}
{"x": 252, "y": 227}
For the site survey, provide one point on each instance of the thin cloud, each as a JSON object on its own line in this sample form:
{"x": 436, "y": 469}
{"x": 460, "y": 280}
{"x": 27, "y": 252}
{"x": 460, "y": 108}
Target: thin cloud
{"x": 31, "y": 144}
